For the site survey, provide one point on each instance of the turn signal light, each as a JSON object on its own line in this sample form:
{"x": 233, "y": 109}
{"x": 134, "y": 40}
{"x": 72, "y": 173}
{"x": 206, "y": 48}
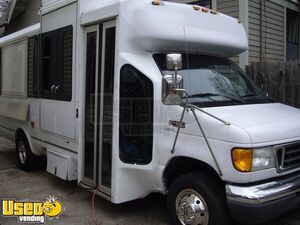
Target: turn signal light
{"x": 242, "y": 159}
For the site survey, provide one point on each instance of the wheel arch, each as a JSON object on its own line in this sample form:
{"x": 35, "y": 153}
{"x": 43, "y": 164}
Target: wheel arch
{"x": 180, "y": 165}
{"x": 21, "y": 131}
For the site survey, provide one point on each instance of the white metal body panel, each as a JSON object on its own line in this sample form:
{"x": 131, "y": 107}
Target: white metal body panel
{"x": 169, "y": 27}
{"x": 52, "y": 5}
{"x": 178, "y": 27}
{"x": 19, "y": 35}
{"x": 24, "y": 113}
{"x": 62, "y": 166}
{"x": 14, "y": 69}
{"x": 18, "y": 111}
{"x": 58, "y": 117}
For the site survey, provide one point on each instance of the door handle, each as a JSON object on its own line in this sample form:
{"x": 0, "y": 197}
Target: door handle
{"x": 56, "y": 89}
{"x": 52, "y": 89}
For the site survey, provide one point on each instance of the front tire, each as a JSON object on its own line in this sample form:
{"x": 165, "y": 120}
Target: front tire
{"x": 197, "y": 199}
{"x": 25, "y": 158}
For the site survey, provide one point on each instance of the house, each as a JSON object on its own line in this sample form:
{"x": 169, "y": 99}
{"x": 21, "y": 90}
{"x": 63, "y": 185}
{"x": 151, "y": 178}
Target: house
{"x": 272, "y": 25}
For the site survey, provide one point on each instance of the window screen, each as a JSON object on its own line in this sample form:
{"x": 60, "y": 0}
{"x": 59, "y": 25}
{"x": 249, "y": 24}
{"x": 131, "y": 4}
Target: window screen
{"x": 136, "y": 117}
{"x": 33, "y": 66}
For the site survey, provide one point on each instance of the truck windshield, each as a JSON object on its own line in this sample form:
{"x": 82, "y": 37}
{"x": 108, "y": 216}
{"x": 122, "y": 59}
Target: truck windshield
{"x": 213, "y": 81}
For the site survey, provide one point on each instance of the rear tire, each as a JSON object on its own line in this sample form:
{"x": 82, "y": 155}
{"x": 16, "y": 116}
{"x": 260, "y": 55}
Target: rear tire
{"x": 26, "y": 159}
{"x": 197, "y": 199}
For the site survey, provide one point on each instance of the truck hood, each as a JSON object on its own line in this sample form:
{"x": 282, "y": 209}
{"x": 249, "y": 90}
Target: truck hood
{"x": 264, "y": 122}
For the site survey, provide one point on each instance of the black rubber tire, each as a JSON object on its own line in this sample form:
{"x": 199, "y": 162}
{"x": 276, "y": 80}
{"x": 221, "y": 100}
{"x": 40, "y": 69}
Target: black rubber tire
{"x": 32, "y": 161}
{"x": 211, "y": 191}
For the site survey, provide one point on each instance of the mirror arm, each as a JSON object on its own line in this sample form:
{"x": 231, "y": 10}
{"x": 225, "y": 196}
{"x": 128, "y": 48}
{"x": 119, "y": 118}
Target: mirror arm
{"x": 186, "y": 93}
{"x": 176, "y": 73}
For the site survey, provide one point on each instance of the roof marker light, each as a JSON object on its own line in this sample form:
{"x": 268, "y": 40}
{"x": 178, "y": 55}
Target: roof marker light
{"x": 213, "y": 12}
{"x": 205, "y": 10}
{"x": 156, "y": 2}
{"x": 196, "y": 7}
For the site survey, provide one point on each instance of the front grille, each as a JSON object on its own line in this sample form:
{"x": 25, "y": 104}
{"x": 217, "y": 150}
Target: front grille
{"x": 288, "y": 156}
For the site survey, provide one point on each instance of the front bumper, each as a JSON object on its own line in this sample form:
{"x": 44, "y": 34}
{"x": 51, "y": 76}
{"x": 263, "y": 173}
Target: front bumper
{"x": 263, "y": 202}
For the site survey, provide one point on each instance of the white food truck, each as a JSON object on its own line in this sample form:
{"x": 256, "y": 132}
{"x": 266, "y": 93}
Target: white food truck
{"x": 131, "y": 97}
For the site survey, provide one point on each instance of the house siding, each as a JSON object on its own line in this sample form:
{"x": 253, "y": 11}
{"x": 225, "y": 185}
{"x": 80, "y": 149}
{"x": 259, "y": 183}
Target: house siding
{"x": 229, "y": 7}
{"x": 266, "y": 31}
{"x": 27, "y": 18}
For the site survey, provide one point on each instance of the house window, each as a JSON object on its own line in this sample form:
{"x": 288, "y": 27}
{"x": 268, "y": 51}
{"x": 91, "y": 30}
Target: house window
{"x": 292, "y": 42}
{"x": 57, "y": 58}
{"x": 204, "y": 3}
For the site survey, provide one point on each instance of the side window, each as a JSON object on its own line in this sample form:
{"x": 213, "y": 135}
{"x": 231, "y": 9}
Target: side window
{"x": 136, "y": 117}
{"x": 33, "y": 66}
{"x": 48, "y": 72}
{"x": 57, "y": 60}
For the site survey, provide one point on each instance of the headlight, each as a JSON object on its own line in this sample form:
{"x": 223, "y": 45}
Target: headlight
{"x": 249, "y": 160}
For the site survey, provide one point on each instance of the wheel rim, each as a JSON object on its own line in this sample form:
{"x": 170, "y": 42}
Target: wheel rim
{"x": 22, "y": 152}
{"x": 191, "y": 208}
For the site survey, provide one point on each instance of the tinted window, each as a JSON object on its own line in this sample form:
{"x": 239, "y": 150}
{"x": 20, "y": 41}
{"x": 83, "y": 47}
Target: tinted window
{"x": 57, "y": 58}
{"x": 136, "y": 117}
{"x": 91, "y": 55}
{"x": 214, "y": 81}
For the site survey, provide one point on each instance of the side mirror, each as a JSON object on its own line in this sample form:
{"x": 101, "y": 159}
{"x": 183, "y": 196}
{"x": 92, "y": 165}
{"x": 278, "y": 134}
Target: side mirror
{"x": 174, "y": 62}
{"x": 171, "y": 96}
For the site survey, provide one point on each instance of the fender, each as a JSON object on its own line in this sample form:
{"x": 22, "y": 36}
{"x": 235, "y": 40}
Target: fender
{"x": 36, "y": 149}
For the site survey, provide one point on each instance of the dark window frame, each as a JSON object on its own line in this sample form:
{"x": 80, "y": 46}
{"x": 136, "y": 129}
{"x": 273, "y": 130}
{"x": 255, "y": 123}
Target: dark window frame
{"x": 56, "y": 63}
{"x": 292, "y": 35}
{"x": 135, "y": 141}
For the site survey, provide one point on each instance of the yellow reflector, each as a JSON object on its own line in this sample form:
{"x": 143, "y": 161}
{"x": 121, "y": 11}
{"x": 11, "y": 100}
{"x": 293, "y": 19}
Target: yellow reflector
{"x": 242, "y": 159}
{"x": 156, "y": 2}
{"x": 196, "y": 7}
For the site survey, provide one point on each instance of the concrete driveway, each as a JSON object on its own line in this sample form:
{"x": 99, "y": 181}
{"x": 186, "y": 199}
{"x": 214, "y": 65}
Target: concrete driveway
{"x": 38, "y": 185}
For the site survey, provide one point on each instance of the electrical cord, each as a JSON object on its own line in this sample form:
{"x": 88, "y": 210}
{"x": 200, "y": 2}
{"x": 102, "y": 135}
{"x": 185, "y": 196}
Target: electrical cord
{"x": 94, "y": 219}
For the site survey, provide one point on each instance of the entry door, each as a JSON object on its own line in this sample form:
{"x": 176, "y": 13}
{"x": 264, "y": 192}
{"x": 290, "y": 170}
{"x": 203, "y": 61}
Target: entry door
{"x": 100, "y": 62}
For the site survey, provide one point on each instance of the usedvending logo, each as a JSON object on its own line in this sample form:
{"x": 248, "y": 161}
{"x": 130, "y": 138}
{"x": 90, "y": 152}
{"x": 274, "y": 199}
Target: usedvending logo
{"x": 32, "y": 212}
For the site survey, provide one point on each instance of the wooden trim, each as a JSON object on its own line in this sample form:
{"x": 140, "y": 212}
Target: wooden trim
{"x": 244, "y": 17}
{"x": 285, "y": 34}
{"x": 214, "y": 4}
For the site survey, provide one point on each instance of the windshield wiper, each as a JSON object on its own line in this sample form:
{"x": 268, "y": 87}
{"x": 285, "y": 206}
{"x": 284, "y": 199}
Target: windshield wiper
{"x": 208, "y": 95}
{"x": 256, "y": 95}
{"x": 249, "y": 95}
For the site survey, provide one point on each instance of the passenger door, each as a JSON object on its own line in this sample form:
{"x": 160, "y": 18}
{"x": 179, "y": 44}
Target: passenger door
{"x": 99, "y": 92}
